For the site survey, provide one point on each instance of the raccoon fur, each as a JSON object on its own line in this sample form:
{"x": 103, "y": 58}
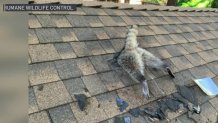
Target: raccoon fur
{"x": 134, "y": 59}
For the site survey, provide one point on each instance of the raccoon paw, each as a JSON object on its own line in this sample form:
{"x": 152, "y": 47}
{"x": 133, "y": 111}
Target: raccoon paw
{"x": 145, "y": 89}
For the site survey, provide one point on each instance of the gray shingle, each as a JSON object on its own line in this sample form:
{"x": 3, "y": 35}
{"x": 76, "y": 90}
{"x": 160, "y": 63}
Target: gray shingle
{"x": 84, "y": 34}
{"x": 172, "y": 28}
{"x": 208, "y": 56}
{"x": 178, "y": 38}
{"x": 80, "y": 49}
{"x": 67, "y": 68}
{"x": 128, "y": 94}
{"x": 213, "y": 67}
{"x": 111, "y": 81}
{"x": 100, "y": 63}
{"x": 93, "y": 113}
{"x": 94, "y": 21}
{"x": 32, "y": 38}
{"x": 166, "y": 84}
{"x": 42, "y": 73}
{"x": 60, "y": 21}
{"x": 189, "y": 37}
{"x": 181, "y": 63}
{"x": 43, "y": 52}
{"x": 172, "y": 20}
{"x": 138, "y": 20}
{"x": 148, "y": 41}
{"x": 119, "y": 21}
{"x": 213, "y": 43}
{"x": 201, "y": 71}
{"x": 164, "y": 39}
{"x": 116, "y": 32}
{"x": 195, "y": 59}
{"x": 94, "y": 84}
{"x": 100, "y": 33}
{"x": 46, "y": 21}
{"x": 107, "y": 46}
{"x": 108, "y": 103}
{"x": 118, "y": 44}
{"x": 77, "y": 21}
{"x": 40, "y": 117}
{"x": 159, "y": 30}
{"x": 176, "y": 50}
{"x": 145, "y": 30}
{"x": 33, "y": 107}
{"x": 67, "y": 35}
{"x": 93, "y": 11}
{"x": 33, "y": 22}
{"x": 158, "y": 20}
{"x": 203, "y": 45}
{"x": 76, "y": 86}
{"x": 191, "y": 47}
{"x": 65, "y": 50}
{"x": 47, "y": 35}
{"x": 184, "y": 78}
{"x": 107, "y": 21}
{"x": 128, "y": 20}
{"x": 51, "y": 95}
{"x": 95, "y": 48}
{"x": 62, "y": 114}
{"x": 85, "y": 66}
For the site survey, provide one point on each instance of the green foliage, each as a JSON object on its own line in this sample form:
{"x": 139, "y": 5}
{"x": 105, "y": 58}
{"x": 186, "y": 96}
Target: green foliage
{"x": 195, "y": 3}
{"x": 215, "y": 4}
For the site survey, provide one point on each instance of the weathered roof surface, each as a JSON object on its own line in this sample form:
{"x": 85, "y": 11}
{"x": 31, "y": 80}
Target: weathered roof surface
{"x": 68, "y": 54}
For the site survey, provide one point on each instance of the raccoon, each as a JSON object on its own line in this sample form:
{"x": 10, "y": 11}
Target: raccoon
{"x": 134, "y": 59}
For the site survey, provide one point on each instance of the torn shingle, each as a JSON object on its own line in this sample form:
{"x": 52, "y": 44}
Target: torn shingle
{"x": 76, "y": 86}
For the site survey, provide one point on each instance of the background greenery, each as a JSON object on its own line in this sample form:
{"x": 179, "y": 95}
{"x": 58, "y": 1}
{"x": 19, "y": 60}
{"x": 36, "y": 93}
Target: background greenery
{"x": 189, "y": 3}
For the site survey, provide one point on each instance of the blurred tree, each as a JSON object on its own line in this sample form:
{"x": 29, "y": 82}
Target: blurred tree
{"x": 171, "y": 2}
{"x": 214, "y": 4}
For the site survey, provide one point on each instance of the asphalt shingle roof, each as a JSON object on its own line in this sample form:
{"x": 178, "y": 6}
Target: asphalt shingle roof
{"x": 68, "y": 53}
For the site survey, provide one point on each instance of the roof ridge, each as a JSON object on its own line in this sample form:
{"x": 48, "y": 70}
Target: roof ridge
{"x": 112, "y": 5}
